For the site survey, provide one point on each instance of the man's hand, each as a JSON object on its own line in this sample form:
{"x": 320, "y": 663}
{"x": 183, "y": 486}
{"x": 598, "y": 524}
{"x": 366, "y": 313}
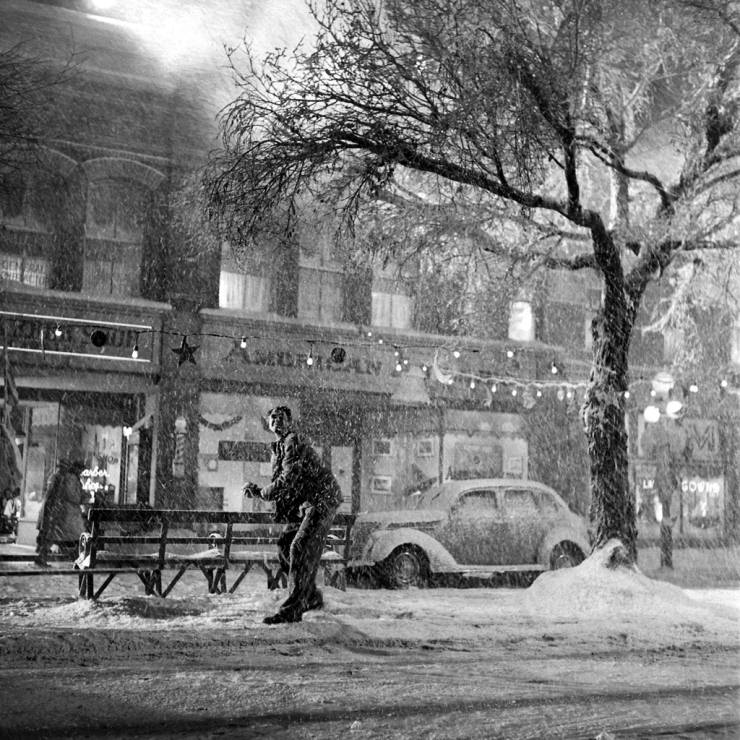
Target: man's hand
{"x": 251, "y": 490}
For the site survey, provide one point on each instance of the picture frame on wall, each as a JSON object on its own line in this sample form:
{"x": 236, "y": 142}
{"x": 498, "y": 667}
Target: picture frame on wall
{"x": 382, "y": 447}
{"x": 425, "y": 448}
{"x": 381, "y": 484}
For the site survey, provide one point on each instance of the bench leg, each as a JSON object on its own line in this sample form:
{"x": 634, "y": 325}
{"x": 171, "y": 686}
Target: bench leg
{"x": 152, "y": 580}
{"x": 216, "y": 579}
{"x": 273, "y": 579}
{"x": 176, "y": 578}
{"x": 335, "y": 576}
{"x": 85, "y": 585}
{"x": 219, "y": 581}
{"x": 104, "y": 585}
{"x": 240, "y": 577}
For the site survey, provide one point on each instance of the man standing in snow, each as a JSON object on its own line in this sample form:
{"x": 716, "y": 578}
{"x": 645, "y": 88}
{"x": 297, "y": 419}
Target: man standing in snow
{"x": 300, "y": 481}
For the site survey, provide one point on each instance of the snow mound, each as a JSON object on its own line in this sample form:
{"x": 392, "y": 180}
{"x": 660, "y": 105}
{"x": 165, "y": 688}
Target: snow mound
{"x": 605, "y": 584}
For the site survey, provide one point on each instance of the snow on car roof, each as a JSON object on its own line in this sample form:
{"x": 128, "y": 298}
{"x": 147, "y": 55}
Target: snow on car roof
{"x": 452, "y": 488}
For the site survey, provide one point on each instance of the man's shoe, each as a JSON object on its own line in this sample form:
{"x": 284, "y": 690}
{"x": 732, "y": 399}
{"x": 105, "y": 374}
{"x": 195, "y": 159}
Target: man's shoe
{"x": 282, "y": 618}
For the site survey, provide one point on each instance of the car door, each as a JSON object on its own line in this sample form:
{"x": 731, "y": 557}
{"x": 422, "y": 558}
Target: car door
{"x": 472, "y": 530}
{"x": 524, "y": 525}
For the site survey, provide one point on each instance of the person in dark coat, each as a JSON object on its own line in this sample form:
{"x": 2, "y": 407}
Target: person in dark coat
{"x": 60, "y": 520}
{"x": 300, "y": 483}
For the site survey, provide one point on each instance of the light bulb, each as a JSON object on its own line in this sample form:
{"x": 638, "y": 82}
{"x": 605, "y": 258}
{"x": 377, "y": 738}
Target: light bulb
{"x": 135, "y": 352}
{"x": 651, "y": 414}
{"x": 243, "y": 343}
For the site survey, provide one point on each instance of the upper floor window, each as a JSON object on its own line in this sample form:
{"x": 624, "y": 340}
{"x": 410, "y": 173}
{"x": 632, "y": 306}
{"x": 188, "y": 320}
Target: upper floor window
{"x": 735, "y": 342}
{"x": 23, "y": 250}
{"x": 20, "y": 202}
{"x": 320, "y": 283}
{"x": 243, "y": 282}
{"x": 521, "y": 321}
{"x": 391, "y": 303}
{"x": 114, "y": 227}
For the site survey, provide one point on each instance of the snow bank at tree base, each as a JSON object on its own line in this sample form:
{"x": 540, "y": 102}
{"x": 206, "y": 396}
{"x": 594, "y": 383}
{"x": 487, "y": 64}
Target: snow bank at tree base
{"x": 602, "y": 586}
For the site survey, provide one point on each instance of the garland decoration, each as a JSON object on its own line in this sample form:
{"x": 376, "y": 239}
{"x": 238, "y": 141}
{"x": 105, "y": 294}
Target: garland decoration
{"x": 219, "y": 427}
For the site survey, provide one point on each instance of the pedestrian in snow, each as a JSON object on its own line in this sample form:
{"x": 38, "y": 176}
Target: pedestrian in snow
{"x": 60, "y": 522}
{"x": 301, "y": 483}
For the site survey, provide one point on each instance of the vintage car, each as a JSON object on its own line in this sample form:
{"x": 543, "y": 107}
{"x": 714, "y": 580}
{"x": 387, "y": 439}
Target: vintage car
{"x": 470, "y": 529}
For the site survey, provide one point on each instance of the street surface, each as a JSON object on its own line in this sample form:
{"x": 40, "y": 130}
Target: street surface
{"x": 230, "y": 686}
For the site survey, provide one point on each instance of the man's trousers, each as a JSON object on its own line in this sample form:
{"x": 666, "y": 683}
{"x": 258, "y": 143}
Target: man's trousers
{"x": 305, "y": 559}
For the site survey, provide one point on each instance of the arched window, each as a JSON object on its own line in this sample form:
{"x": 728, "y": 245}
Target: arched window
{"x": 25, "y": 241}
{"x": 114, "y": 227}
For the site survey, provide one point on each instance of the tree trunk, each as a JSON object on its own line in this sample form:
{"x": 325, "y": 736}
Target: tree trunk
{"x": 613, "y": 511}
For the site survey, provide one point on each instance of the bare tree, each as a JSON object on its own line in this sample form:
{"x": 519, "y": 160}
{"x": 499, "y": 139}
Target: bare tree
{"x": 568, "y": 134}
{"x": 29, "y": 87}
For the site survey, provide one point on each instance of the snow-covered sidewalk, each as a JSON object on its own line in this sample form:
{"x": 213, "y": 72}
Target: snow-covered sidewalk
{"x": 591, "y": 606}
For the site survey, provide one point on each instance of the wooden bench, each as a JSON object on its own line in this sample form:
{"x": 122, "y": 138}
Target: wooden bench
{"x": 233, "y": 541}
{"x": 141, "y": 541}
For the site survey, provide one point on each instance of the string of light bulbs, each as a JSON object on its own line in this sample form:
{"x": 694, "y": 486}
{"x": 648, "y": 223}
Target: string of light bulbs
{"x": 368, "y": 338}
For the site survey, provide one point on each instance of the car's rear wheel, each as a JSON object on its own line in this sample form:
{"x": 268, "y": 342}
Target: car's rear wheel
{"x": 406, "y": 566}
{"x": 566, "y": 555}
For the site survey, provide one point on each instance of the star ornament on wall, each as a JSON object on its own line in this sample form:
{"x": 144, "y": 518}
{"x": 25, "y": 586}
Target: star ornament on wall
{"x": 185, "y": 353}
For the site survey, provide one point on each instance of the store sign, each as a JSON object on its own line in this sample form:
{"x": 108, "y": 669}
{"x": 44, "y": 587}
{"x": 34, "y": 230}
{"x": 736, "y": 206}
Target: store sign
{"x": 243, "y": 451}
{"x": 94, "y": 480}
{"x": 706, "y": 487}
{"x": 60, "y": 335}
{"x": 267, "y": 357}
{"x": 703, "y": 439}
{"x": 703, "y": 500}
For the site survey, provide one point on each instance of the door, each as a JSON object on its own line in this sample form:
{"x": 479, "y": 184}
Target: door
{"x": 341, "y": 466}
{"x": 523, "y": 526}
{"x": 472, "y": 530}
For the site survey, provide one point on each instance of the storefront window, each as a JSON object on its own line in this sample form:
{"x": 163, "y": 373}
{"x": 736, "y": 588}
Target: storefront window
{"x": 85, "y": 427}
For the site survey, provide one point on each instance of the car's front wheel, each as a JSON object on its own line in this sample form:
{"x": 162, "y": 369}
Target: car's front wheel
{"x": 566, "y": 555}
{"x": 406, "y": 566}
